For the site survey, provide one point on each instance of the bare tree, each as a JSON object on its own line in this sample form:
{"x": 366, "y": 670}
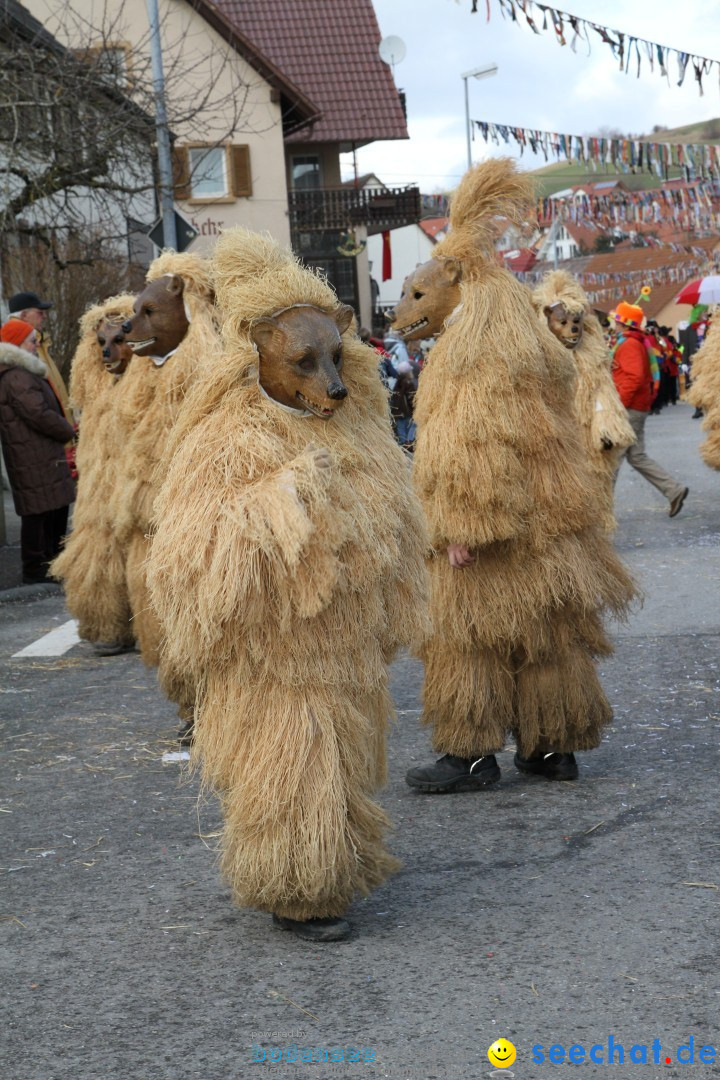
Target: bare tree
{"x": 61, "y": 273}
{"x": 77, "y": 136}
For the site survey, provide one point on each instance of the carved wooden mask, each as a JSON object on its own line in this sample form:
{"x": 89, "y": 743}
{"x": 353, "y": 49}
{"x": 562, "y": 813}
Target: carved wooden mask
{"x": 301, "y": 357}
{"x": 159, "y": 323}
{"x": 429, "y": 295}
{"x": 116, "y": 353}
{"x": 567, "y": 328}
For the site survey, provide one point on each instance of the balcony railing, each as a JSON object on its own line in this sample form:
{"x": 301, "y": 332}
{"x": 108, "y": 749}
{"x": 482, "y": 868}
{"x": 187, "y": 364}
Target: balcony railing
{"x": 344, "y": 207}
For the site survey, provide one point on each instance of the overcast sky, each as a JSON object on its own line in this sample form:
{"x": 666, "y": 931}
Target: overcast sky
{"x": 539, "y": 83}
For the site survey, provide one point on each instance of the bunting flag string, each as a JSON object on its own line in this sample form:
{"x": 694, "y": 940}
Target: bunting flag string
{"x": 628, "y": 50}
{"x": 689, "y": 208}
{"x": 600, "y": 285}
{"x": 628, "y": 155}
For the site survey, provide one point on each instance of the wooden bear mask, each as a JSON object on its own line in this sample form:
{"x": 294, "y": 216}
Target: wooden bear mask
{"x": 429, "y": 295}
{"x": 567, "y": 328}
{"x": 159, "y": 323}
{"x": 301, "y": 357}
{"x": 116, "y": 353}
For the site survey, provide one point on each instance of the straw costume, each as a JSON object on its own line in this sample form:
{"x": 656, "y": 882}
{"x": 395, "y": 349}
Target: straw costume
{"x": 521, "y": 572}
{"x": 158, "y": 385}
{"x": 287, "y": 568}
{"x": 704, "y": 392}
{"x": 92, "y": 564}
{"x": 560, "y": 300}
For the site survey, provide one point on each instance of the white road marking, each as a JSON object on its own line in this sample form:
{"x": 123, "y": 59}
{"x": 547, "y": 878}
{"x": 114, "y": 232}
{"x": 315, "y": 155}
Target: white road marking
{"x": 56, "y": 643}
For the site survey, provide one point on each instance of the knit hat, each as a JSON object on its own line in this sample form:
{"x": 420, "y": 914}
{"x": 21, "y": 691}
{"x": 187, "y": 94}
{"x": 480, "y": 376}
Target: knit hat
{"x": 629, "y": 315}
{"x": 15, "y": 331}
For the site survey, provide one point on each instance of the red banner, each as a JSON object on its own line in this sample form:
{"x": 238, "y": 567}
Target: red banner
{"x": 386, "y": 257}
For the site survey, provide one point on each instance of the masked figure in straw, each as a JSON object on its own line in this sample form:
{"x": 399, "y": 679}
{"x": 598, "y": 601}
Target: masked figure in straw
{"x": 704, "y": 393}
{"x": 561, "y": 301}
{"x": 172, "y": 331}
{"x": 92, "y": 564}
{"x": 521, "y": 571}
{"x": 287, "y": 568}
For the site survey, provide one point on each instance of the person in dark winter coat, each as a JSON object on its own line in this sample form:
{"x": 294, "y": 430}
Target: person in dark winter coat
{"x": 33, "y": 432}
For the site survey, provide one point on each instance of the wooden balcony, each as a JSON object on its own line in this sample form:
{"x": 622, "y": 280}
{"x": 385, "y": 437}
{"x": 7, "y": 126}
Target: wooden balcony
{"x": 345, "y": 207}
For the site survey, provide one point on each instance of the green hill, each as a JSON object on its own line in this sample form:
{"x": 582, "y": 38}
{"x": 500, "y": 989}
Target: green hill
{"x": 562, "y": 174}
{"x": 703, "y": 131}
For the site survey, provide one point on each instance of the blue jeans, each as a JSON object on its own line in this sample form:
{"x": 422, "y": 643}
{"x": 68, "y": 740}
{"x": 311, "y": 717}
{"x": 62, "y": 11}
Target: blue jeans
{"x": 405, "y": 430}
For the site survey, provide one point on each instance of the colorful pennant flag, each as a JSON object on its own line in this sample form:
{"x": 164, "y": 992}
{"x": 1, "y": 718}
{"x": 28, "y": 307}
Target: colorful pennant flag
{"x": 628, "y": 50}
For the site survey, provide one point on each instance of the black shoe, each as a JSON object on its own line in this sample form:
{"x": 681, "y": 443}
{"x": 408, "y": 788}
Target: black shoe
{"x": 551, "y": 766}
{"x": 112, "y": 648}
{"x": 186, "y": 734}
{"x": 697, "y": 415}
{"x": 315, "y": 929}
{"x": 451, "y": 773}
{"x": 676, "y": 504}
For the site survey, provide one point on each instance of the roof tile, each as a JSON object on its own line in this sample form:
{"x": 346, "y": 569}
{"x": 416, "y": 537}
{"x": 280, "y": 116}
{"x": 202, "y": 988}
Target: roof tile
{"x": 329, "y": 49}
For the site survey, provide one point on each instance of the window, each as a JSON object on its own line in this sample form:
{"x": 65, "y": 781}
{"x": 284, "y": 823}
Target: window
{"x": 112, "y": 61}
{"x": 305, "y": 172}
{"x": 208, "y": 172}
{"x": 212, "y": 173}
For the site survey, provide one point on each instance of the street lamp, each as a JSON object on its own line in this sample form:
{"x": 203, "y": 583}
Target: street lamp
{"x": 477, "y": 73}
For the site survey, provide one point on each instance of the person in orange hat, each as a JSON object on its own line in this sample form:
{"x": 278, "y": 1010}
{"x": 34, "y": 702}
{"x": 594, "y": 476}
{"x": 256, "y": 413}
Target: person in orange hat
{"x": 634, "y": 381}
{"x": 33, "y": 432}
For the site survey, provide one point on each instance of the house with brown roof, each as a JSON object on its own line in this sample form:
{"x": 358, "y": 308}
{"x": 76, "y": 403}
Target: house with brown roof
{"x": 330, "y": 51}
{"x": 619, "y": 275}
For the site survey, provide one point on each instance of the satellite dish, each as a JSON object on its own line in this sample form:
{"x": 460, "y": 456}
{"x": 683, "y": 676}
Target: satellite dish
{"x": 392, "y": 50}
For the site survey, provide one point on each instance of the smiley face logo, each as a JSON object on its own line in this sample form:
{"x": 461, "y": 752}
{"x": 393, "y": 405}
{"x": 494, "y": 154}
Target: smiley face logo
{"x": 501, "y": 1054}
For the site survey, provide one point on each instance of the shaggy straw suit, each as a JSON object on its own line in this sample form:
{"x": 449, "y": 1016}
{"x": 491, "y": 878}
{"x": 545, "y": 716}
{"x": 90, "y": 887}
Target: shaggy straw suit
{"x": 92, "y": 564}
{"x": 598, "y": 406}
{"x": 499, "y": 468}
{"x": 286, "y": 589}
{"x": 150, "y": 408}
{"x": 704, "y": 393}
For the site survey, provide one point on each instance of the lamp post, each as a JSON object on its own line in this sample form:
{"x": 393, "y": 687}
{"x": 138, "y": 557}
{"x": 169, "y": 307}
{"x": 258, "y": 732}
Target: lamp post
{"x": 163, "y": 134}
{"x": 477, "y": 73}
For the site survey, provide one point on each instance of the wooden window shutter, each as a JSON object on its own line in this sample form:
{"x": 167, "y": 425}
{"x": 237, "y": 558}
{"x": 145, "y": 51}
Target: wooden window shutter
{"x": 241, "y": 176}
{"x": 181, "y": 172}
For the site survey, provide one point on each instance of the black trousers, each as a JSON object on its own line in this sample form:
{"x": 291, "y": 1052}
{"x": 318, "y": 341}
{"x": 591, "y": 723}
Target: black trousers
{"x": 41, "y": 537}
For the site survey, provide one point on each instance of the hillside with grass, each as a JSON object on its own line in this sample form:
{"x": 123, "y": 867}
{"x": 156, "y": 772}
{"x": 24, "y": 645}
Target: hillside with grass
{"x": 563, "y": 174}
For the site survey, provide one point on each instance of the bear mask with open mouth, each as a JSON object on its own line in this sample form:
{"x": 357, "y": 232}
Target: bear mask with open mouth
{"x": 301, "y": 357}
{"x": 116, "y": 353}
{"x": 160, "y": 320}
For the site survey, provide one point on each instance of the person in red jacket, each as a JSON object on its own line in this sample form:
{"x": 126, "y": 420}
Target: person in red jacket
{"x": 633, "y": 378}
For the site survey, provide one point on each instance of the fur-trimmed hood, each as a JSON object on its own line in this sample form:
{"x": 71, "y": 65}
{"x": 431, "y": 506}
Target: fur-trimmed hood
{"x": 14, "y": 356}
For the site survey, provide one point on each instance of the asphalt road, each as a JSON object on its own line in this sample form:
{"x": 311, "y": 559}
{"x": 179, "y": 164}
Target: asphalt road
{"x": 545, "y": 914}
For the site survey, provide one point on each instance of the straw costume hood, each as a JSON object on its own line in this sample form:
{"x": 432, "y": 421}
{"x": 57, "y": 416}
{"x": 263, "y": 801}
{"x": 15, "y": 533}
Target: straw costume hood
{"x": 604, "y": 425}
{"x": 157, "y": 387}
{"x": 287, "y": 568}
{"x": 704, "y": 392}
{"x": 92, "y": 565}
{"x": 500, "y": 471}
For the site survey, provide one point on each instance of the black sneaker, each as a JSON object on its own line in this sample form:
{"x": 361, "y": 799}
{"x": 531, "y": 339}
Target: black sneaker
{"x": 450, "y": 773}
{"x": 315, "y": 929}
{"x": 551, "y": 766}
